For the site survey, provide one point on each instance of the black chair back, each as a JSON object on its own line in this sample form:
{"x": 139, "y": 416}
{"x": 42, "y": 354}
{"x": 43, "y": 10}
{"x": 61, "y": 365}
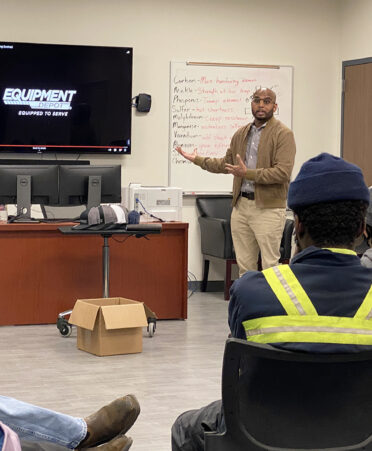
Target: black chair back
{"x": 215, "y": 206}
{"x": 286, "y": 243}
{"x": 280, "y": 400}
{"x": 214, "y": 221}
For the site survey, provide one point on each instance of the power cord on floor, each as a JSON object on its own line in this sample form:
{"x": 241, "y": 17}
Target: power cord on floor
{"x": 191, "y": 278}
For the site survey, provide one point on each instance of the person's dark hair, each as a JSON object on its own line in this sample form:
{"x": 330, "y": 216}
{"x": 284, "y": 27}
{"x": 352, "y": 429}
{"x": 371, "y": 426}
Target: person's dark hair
{"x": 333, "y": 223}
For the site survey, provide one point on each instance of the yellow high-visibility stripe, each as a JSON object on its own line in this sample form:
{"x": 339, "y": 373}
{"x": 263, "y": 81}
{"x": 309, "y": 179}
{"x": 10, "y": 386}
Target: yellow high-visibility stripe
{"x": 309, "y": 329}
{"x": 340, "y": 251}
{"x": 312, "y": 337}
{"x": 365, "y": 310}
{"x": 303, "y": 324}
{"x": 280, "y": 292}
{"x": 308, "y": 320}
{"x": 297, "y": 289}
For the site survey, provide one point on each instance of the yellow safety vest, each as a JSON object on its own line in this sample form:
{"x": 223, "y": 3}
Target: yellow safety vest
{"x": 302, "y": 324}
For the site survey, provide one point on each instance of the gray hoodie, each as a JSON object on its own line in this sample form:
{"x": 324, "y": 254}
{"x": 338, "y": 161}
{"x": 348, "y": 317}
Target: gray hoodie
{"x": 366, "y": 259}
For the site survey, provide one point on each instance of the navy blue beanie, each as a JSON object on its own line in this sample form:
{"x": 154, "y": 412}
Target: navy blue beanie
{"x": 326, "y": 178}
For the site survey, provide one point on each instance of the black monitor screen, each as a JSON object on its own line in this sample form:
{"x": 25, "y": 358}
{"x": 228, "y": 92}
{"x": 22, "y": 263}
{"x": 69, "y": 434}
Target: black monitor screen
{"x": 65, "y": 98}
{"x": 78, "y": 183}
{"x": 26, "y": 185}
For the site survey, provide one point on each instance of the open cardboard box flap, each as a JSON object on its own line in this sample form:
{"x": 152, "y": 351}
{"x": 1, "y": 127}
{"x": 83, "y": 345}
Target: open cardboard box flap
{"x": 149, "y": 312}
{"x": 117, "y": 317}
{"x": 84, "y": 315}
{"x": 118, "y": 313}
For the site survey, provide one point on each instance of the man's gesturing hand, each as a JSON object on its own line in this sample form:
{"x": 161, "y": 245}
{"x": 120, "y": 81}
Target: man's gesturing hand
{"x": 188, "y": 156}
{"x": 239, "y": 170}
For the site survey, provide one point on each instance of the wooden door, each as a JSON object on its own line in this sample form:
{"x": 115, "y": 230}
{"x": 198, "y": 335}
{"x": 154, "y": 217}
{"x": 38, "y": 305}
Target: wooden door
{"x": 356, "y": 139}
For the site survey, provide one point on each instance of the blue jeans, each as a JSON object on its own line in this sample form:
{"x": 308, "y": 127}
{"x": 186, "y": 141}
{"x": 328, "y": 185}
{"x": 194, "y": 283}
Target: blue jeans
{"x": 37, "y": 424}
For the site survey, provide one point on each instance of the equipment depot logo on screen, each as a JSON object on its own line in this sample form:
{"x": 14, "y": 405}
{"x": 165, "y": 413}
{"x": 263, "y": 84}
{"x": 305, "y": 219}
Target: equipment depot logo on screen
{"x": 41, "y": 99}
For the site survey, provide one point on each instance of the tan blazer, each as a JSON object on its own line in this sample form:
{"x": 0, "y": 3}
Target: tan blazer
{"x": 275, "y": 160}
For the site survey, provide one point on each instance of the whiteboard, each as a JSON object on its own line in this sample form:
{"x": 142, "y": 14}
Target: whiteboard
{"x": 208, "y": 103}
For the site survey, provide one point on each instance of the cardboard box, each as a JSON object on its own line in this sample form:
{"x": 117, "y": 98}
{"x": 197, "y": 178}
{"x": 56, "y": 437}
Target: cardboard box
{"x": 108, "y": 326}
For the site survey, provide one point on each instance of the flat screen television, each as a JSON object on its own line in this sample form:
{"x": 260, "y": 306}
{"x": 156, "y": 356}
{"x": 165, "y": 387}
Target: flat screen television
{"x": 65, "y": 98}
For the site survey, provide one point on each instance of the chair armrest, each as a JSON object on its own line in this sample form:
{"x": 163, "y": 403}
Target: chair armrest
{"x": 216, "y": 237}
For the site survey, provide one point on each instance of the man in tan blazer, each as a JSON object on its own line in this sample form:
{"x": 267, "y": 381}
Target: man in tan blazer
{"x": 261, "y": 158}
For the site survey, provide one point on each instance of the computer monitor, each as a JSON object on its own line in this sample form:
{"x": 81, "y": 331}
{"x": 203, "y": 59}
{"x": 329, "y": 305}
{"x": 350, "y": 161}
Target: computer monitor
{"x": 89, "y": 185}
{"x": 28, "y": 184}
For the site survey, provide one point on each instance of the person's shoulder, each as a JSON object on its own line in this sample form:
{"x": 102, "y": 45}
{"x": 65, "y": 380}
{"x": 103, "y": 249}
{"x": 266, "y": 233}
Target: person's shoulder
{"x": 282, "y": 133}
{"x": 251, "y": 275}
{"x": 280, "y": 126}
{"x": 252, "y": 297}
{"x": 251, "y": 281}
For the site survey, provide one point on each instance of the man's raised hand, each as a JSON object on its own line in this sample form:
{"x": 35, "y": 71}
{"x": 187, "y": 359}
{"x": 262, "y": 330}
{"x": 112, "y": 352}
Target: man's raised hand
{"x": 239, "y": 169}
{"x": 188, "y": 156}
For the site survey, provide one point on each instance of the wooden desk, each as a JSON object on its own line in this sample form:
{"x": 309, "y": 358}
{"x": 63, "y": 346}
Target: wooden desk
{"x": 43, "y": 272}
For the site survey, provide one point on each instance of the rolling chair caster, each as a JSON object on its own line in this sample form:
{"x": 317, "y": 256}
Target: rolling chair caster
{"x": 64, "y": 327}
{"x": 151, "y": 326}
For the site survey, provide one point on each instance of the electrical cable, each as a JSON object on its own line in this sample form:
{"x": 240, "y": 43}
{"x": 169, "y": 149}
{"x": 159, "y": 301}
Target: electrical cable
{"x": 191, "y": 280}
{"x": 121, "y": 241}
{"x": 147, "y": 212}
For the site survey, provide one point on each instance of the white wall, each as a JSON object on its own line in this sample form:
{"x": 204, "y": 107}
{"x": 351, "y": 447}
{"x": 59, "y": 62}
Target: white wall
{"x": 302, "y": 33}
{"x": 356, "y": 36}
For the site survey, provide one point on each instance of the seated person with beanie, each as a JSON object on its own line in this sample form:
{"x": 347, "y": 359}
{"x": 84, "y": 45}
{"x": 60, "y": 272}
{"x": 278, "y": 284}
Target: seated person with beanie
{"x": 321, "y": 301}
{"x": 106, "y": 427}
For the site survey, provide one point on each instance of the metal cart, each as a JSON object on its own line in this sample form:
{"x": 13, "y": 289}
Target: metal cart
{"x": 106, "y": 231}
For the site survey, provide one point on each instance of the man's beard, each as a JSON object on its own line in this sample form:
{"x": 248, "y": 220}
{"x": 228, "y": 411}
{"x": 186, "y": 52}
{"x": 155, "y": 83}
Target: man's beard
{"x": 263, "y": 118}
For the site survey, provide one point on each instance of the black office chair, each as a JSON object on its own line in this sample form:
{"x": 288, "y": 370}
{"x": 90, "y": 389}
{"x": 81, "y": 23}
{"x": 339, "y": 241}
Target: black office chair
{"x": 286, "y": 243}
{"x": 216, "y": 239}
{"x": 215, "y": 231}
{"x": 280, "y": 400}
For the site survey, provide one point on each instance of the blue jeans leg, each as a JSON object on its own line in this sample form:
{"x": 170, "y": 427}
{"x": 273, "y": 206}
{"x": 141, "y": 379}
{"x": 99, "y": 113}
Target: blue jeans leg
{"x": 38, "y": 424}
{"x": 1, "y": 438}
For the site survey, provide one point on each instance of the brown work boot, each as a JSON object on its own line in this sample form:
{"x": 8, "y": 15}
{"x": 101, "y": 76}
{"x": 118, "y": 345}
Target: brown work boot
{"x": 114, "y": 419}
{"x": 119, "y": 443}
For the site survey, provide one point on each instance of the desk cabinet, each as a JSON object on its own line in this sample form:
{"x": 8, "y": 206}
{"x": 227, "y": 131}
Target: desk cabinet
{"x": 43, "y": 272}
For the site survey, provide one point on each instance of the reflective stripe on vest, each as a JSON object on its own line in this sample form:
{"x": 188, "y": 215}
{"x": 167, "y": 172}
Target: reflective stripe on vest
{"x": 302, "y": 324}
{"x": 289, "y": 291}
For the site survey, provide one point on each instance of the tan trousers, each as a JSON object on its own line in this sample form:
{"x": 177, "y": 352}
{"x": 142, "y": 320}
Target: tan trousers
{"x": 253, "y": 230}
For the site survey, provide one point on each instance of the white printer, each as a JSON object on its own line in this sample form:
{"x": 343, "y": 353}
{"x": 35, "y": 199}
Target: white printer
{"x": 154, "y": 202}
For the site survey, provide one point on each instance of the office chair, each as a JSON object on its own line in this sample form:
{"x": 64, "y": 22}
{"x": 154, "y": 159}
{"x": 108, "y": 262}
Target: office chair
{"x": 216, "y": 239}
{"x": 215, "y": 231}
{"x": 286, "y": 243}
{"x": 279, "y": 400}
